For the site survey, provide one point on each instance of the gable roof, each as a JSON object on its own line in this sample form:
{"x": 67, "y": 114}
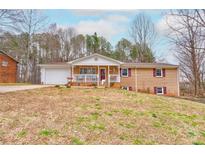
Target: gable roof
{"x": 122, "y": 64}
{"x": 149, "y": 65}
{"x": 93, "y": 55}
{"x": 8, "y": 56}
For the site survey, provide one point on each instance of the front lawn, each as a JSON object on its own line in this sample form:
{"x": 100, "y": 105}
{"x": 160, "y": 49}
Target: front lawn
{"x": 98, "y": 116}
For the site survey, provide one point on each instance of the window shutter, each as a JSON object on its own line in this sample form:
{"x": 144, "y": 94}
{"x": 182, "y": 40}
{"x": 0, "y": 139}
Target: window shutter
{"x": 154, "y": 72}
{"x": 120, "y": 72}
{"x": 165, "y": 90}
{"x": 155, "y": 90}
{"x": 129, "y": 72}
{"x": 130, "y": 88}
{"x": 163, "y": 71}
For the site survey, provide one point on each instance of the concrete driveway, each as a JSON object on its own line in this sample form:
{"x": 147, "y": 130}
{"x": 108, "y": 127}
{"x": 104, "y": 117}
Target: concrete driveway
{"x": 4, "y": 89}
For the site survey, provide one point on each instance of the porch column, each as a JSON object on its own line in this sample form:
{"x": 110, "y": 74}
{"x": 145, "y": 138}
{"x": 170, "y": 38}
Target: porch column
{"x": 98, "y": 79}
{"x": 119, "y": 73}
{"x": 108, "y": 76}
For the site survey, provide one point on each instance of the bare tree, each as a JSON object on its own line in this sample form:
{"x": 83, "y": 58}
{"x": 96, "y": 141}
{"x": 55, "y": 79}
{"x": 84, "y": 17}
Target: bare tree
{"x": 143, "y": 33}
{"x": 7, "y": 17}
{"x": 199, "y": 17}
{"x": 78, "y": 46}
{"x": 66, "y": 35}
{"x": 186, "y": 35}
{"x": 30, "y": 23}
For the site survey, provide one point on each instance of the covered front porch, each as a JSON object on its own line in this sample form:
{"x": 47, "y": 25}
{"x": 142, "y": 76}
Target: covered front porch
{"x": 96, "y": 75}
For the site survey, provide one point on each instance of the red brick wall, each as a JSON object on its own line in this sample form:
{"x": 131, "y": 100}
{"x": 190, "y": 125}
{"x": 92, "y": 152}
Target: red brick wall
{"x": 142, "y": 80}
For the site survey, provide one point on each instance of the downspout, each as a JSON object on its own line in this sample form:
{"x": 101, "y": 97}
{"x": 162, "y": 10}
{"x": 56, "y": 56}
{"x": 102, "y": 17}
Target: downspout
{"x": 71, "y": 72}
{"x": 136, "y": 80}
{"x": 178, "y": 89}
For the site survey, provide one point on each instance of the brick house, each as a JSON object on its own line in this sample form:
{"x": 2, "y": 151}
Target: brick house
{"x": 98, "y": 70}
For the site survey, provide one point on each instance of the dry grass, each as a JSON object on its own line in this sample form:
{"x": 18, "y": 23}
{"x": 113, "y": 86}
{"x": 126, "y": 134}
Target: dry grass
{"x": 98, "y": 116}
{"x": 14, "y": 84}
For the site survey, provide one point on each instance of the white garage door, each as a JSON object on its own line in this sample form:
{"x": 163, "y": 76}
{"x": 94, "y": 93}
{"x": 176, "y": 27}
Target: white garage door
{"x": 56, "y": 75}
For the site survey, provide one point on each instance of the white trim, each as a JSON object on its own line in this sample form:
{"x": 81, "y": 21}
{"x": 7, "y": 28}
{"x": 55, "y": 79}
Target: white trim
{"x": 119, "y": 73}
{"x": 54, "y": 66}
{"x": 98, "y": 75}
{"x": 162, "y": 91}
{"x": 127, "y": 72}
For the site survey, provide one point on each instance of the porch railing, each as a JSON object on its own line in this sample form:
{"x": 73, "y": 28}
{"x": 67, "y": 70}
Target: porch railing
{"x": 94, "y": 78}
{"x": 114, "y": 78}
{"x": 86, "y": 77}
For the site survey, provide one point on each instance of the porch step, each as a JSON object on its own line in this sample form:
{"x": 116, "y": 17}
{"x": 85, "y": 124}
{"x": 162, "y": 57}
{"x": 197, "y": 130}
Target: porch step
{"x": 100, "y": 87}
{"x": 115, "y": 85}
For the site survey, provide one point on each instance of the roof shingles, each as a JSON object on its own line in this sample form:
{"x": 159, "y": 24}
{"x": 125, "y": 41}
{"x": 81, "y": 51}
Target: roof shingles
{"x": 8, "y": 55}
{"x": 149, "y": 65}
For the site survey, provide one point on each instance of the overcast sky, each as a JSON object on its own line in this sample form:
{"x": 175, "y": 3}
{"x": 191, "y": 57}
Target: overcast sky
{"x": 112, "y": 24}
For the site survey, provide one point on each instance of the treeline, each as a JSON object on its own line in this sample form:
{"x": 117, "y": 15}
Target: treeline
{"x": 26, "y": 35}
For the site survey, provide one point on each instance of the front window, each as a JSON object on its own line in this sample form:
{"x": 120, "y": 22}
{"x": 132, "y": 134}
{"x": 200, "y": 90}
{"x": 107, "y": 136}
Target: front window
{"x": 87, "y": 71}
{"x": 159, "y": 90}
{"x": 4, "y": 63}
{"x": 124, "y": 72}
{"x": 158, "y": 72}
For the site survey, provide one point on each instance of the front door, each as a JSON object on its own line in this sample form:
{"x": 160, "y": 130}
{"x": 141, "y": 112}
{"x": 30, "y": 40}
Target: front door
{"x": 102, "y": 74}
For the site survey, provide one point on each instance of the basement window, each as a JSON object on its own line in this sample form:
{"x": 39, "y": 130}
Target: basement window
{"x": 4, "y": 63}
{"x": 125, "y": 88}
{"x": 159, "y": 91}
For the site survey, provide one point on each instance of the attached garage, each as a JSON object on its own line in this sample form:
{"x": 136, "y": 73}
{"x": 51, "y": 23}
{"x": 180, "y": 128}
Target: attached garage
{"x": 55, "y": 74}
